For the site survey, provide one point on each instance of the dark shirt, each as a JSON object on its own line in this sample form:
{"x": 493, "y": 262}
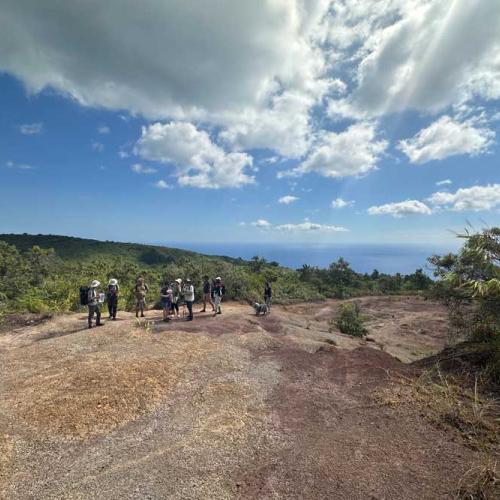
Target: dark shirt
{"x": 206, "y": 287}
{"x": 268, "y": 292}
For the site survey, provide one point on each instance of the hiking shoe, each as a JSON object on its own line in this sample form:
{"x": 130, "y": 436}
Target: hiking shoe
{"x": 99, "y": 324}
{"x": 90, "y": 326}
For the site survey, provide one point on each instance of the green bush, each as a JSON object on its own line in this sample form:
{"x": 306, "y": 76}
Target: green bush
{"x": 349, "y": 320}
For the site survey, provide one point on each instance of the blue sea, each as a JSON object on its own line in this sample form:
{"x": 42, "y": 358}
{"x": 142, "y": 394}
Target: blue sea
{"x": 362, "y": 257}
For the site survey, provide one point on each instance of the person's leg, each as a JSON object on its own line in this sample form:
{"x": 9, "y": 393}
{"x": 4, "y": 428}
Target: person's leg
{"x": 110, "y": 306}
{"x": 91, "y": 315}
{"x": 143, "y": 303}
{"x": 204, "y": 302}
{"x": 115, "y": 307}
{"x": 190, "y": 309}
{"x": 98, "y": 315}
{"x": 137, "y": 307}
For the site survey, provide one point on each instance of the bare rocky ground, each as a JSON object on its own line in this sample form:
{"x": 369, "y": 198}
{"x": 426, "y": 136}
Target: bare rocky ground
{"x": 229, "y": 407}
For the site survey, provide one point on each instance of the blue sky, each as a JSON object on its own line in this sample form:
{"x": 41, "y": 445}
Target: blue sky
{"x": 296, "y": 121}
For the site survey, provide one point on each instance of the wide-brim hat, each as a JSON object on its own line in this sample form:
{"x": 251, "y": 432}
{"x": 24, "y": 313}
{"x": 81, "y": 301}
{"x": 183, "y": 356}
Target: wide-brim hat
{"x": 95, "y": 283}
{"x": 218, "y": 278}
{"x": 113, "y": 282}
{"x": 178, "y": 280}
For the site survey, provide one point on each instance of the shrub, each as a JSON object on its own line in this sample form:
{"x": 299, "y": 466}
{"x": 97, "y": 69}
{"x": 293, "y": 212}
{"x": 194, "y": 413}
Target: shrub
{"x": 349, "y": 320}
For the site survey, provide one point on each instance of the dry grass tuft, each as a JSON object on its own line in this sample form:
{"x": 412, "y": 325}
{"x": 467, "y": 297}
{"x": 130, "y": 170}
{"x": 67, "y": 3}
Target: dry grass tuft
{"x": 481, "y": 482}
{"x": 447, "y": 401}
{"x": 91, "y": 398}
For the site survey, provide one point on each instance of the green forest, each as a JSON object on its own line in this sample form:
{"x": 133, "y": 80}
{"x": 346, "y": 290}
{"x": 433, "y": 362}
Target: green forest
{"x": 43, "y": 273}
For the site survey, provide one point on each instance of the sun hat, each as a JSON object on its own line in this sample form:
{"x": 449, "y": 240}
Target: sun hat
{"x": 218, "y": 278}
{"x": 113, "y": 282}
{"x": 188, "y": 281}
{"x": 95, "y": 284}
{"x": 178, "y": 280}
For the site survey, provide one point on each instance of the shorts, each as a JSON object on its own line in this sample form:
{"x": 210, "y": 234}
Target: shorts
{"x": 166, "y": 303}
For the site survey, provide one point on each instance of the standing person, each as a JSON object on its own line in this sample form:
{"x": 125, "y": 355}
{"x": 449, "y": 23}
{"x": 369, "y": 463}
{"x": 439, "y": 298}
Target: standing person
{"x": 112, "y": 296}
{"x": 166, "y": 301}
{"x": 188, "y": 292}
{"x": 219, "y": 291}
{"x": 140, "y": 291}
{"x": 207, "y": 294}
{"x": 177, "y": 293}
{"x": 268, "y": 293}
{"x": 94, "y": 303}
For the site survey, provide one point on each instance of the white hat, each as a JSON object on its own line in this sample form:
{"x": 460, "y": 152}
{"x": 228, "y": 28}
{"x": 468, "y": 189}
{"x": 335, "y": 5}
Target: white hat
{"x": 113, "y": 282}
{"x": 218, "y": 278}
{"x": 95, "y": 284}
{"x": 178, "y": 280}
{"x": 188, "y": 281}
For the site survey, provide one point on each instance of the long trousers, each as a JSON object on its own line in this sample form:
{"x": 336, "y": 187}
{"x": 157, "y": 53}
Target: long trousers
{"x": 112, "y": 305}
{"x": 94, "y": 309}
{"x": 189, "y": 304}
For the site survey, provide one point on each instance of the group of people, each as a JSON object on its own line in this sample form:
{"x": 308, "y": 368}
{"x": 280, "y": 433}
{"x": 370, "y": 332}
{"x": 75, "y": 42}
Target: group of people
{"x": 172, "y": 295}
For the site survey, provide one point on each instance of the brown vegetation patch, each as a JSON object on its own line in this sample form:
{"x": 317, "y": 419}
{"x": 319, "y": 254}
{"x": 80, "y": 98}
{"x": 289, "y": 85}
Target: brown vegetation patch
{"x": 89, "y": 398}
{"x": 6, "y": 451}
{"x": 447, "y": 401}
{"x": 481, "y": 482}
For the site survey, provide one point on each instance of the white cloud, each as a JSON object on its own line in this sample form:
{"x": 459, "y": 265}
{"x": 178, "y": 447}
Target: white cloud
{"x": 262, "y": 223}
{"x": 444, "y": 182}
{"x": 475, "y": 198}
{"x": 161, "y": 184}
{"x": 103, "y": 129}
{"x": 341, "y": 203}
{"x": 97, "y": 146}
{"x": 408, "y": 207}
{"x": 447, "y": 137}
{"x": 141, "y": 169}
{"x": 306, "y": 226}
{"x": 286, "y": 200}
{"x": 31, "y": 128}
{"x": 414, "y": 54}
{"x": 123, "y": 154}
{"x": 353, "y": 152}
{"x": 19, "y": 166}
{"x": 199, "y": 162}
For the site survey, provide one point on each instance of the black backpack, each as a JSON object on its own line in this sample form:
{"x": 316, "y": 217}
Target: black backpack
{"x": 84, "y": 295}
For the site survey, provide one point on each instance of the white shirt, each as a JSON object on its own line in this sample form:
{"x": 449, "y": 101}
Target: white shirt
{"x": 189, "y": 293}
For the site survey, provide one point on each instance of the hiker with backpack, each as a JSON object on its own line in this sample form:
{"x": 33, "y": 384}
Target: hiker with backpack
{"x": 140, "y": 291}
{"x": 112, "y": 297}
{"x": 94, "y": 300}
{"x": 218, "y": 291}
{"x": 207, "y": 294}
{"x": 188, "y": 292}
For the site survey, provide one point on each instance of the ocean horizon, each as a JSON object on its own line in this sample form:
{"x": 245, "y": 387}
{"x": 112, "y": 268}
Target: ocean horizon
{"x": 363, "y": 258}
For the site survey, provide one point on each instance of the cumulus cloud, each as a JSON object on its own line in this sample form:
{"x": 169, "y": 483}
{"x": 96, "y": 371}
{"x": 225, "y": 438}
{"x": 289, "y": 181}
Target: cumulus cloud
{"x": 475, "y": 198}
{"x": 286, "y": 200}
{"x": 341, "y": 203}
{"x": 353, "y": 152}
{"x": 138, "y": 168}
{"x": 410, "y": 54}
{"x": 199, "y": 162}
{"x": 161, "y": 184}
{"x": 31, "y": 128}
{"x": 400, "y": 209}
{"x": 447, "y": 137}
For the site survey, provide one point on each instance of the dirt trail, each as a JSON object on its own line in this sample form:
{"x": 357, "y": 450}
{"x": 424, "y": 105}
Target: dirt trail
{"x": 229, "y": 407}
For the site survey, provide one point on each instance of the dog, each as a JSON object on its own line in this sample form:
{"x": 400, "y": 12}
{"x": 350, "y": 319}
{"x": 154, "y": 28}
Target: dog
{"x": 260, "y": 309}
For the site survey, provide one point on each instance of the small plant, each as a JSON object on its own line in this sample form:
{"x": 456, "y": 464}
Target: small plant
{"x": 349, "y": 320}
{"x": 481, "y": 482}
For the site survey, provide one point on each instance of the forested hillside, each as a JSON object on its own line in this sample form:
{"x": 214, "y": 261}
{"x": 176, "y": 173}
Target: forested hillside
{"x": 43, "y": 273}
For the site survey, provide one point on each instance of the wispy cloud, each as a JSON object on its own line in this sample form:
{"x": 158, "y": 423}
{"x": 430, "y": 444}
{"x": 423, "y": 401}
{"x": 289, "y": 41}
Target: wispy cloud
{"x": 19, "y": 166}
{"x": 400, "y": 209}
{"x": 141, "y": 169}
{"x": 103, "y": 129}
{"x": 31, "y": 128}
{"x": 97, "y": 146}
{"x": 444, "y": 182}
{"x": 161, "y": 184}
